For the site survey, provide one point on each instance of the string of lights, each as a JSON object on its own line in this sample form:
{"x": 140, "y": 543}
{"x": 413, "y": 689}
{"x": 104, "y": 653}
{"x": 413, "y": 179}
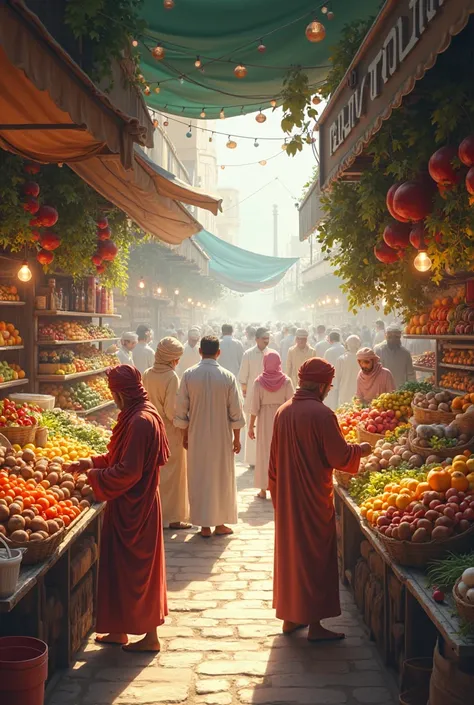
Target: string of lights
{"x": 211, "y": 132}
{"x": 262, "y": 162}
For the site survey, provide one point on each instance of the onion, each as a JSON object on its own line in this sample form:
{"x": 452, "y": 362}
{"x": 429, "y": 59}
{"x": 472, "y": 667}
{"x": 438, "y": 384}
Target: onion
{"x": 468, "y": 577}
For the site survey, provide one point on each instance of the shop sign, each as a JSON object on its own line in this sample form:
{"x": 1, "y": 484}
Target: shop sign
{"x": 405, "y": 34}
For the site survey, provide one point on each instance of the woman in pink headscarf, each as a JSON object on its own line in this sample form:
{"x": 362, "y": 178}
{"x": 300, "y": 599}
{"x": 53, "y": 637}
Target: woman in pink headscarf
{"x": 271, "y": 389}
{"x": 373, "y": 379}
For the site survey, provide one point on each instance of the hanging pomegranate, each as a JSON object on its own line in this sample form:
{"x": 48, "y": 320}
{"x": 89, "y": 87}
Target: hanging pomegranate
{"x": 102, "y": 223}
{"x": 96, "y": 259}
{"x": 419, "y": 236}
{"x": 441, "y": 168}
{"x": 49, "y": 240}
{"x": 104, "y": 234}
{"x": 412, "y": 200}
{"x": 44, "y": 257}
{"x": 466, "y": 151}
{"x": 107, "y": 250}
{"x": 100, "y": 269}
{"x": 470, "y": 181}
{"x": 389, "y": 201}
{"x": 31, "y": 205}
{"x": 396, "y": 235}
{"x": 31, "y": 188}
{"x": 384, "y": 253}
{"x": 35, "y": 235}
{"x": 32, "y": 168}
{"x": 47, "y": 216}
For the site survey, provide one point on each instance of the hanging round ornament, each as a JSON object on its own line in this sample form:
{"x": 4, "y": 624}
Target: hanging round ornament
{"x": 316, "y": 100}
{"x": 168, "y": 4}
{"x": 261, "y": 47}
{"x": 261, "y": 118}
{"x": 315, "y": 32}
{"x": 273, "y": 103}
{"x": 240, "y": 71}
{"x": 330, "y": 15}
{"x": 158, "y": 52}
{"x": 231, "y": 144}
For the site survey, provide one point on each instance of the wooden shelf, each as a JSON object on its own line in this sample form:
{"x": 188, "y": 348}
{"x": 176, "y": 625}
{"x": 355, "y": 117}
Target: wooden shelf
{"x": 420, "y": 368}
{"x": 76, "y": 314}
{"x": 12, "y": 347}
{"x": 72, "y": 342}
{"x": 68, "y": 378}
{"x": 12, "y": 303}
{"x": 456, "y": 392}
{"x": 86, "y": 412}
{"x": 440, "y": 337}
{"x": 470, "y": 368}
{"x": 14, "y": 383}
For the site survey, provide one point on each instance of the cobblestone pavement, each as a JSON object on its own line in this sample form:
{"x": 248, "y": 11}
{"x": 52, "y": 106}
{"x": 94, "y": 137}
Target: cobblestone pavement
{"x": 221, "y": 644}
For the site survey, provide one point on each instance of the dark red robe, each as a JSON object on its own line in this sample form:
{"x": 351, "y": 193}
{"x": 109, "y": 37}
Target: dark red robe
{"x": 306, "y": 445}
{"x": 132, "y": 576}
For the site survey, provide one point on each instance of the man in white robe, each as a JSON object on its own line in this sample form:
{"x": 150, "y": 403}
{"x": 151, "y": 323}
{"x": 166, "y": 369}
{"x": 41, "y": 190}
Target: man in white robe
{"x": 322, "y": 343}
{"x": 395, "y": 357}
{"x": 297, "y": 354}
{"x": 250, "y": 369}
{"x": 232, "y": 350}
{"x": 347, "y": 371}
{"x": 285, "y": 345}
{"x": 332, "y": 354}
{"x": 209, "y": 410}
{"x": 190, "y": 356}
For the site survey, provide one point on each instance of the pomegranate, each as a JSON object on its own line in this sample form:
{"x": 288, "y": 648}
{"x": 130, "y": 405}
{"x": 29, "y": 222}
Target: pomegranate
{"x": 47, "y": 216}
{"x": 44, "y": 257}
{"x": 412, "y": 200}
{"x": 396, "y": 235}
{"x": 389, "y": 201}
{"x": 102, "y": 223}
{"x": 107, "y": 250}
{"x": 31, "y": 205}
{"x": 385, "y": 254}
{"x": 100, "y": 269}
{"x": 31, "y": 188}
{"x": 441, "y": 168}
{"x": 96, "y": 259}
{"x": 470, "y": 181}
{"x": 31, "y": 168}
{"x": 49, "y": 240}
{"x": 466, "y": 151}
{"x": 418, "y": 236}
{"x": 104, "y": 234}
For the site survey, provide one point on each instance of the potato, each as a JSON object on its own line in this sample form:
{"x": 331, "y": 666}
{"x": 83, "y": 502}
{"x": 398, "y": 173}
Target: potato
{"x": 52, "y": 526}
{"x": 420, "y": 536}
{"x": 16, "y": 523}
{"x": 27, "y": 472}
{"x": 84, "y": 504}
{"x": 10, "y": 461}
{"x": 53, "y": 477}
{"x": 86, "y": 490}
{"x": 38, "y": 524}
{"x": 36, "y": 537}
{"x": 3, "y": 530}
{"x": 67, "y": 485}
{"x": 4, "y": 512}
{"x": 28, "y": 455}
{"x": 68, "y": 477}
{"x": 15, "y": 508}
{"x": 19, "y": 536}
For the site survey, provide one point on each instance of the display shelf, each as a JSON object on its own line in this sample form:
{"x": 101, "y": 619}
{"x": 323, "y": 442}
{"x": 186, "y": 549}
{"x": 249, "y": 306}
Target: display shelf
{"x": 72, "y": 342}
{"x": 456, "y": 392}
{"x": 67, "y": 378}
{"x": 12, "y": 347}
{"x": 14, "y": 383}
{"x": 420, "y": 368}
{"x": 12, "y": 303}
{"x": 469, "y": 368}
{"x": 86, "y": 412}
{"x": 440, "y": 337}
{"x": 77, "y": 314}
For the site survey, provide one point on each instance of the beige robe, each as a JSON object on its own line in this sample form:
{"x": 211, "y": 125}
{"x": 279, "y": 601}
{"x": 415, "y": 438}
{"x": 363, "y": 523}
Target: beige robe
{"x": 296, "y": 357}
{"x": 162, "y": 388}
{"x": 210, "y": 406}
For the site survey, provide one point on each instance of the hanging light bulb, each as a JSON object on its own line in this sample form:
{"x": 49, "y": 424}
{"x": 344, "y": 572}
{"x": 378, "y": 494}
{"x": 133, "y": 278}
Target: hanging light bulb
{"x": 158, "y": 52}
{"x": 263, "y": 162}
{"x": 155, "y": 123}
{"x": 159, "y": 290}
{"x": 336, "y": 301}
{"x": 222, "y": 167}
{"x": 204, "y": 305}
{"x": 181, "y": 80}
{"x": 273, "y": 103}
{"x": 198, "y": 303}
{"x": 141, "y": 283}
{"x": 24, "y": 273}
{"x": 203, "y": 113}
{"x": 210, "y": 138}
{"x": 315, "y": 32}
{"x": 284, "y": 146}
{"x": 231, "y": 144}
{"x": 261, "y": 118}
{"x": 316, "y": 100}
{"x": 330, "y": 15}
{"x": 256, "y": 144}
{"x": 168, "y": 4}
{"x": 240, "y": 71}
{"x": 422, "y": 262}
{"x": 190, "y": 301}
{"x": 166, "y": 123}
{"x": 147, "y": 90}
{"x": 134, "y": 43}
{"x": 261, "y": 47}
{"x": 189, "y": 132}
{"x": 222, "y": 114}
{"x": 176, "y": 292}
{"x": 198, "y": 63}
{"x": 324, "y": 9}
{"x": 157, "y": 88}
{"x": 141, "y": 78}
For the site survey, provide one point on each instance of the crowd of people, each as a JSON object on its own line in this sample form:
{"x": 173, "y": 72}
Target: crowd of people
{"x": 184, "y": 406}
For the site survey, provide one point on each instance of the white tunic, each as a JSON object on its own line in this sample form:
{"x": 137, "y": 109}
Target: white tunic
{"x": 345, "y": 380}
{"x": 321, "y": 348}
{"x": 143, "y": 356}
{"x": 250, "y": 369}
{"x": 189, "y": 358}
{"x": 232, "y": 352}
{"x": 285, "y": 345}
{"x": 265, "y": 404}
{"x": 125, "y": 356}
{"x": 296, "y": 357}
{"x": 210, "y": 405}
{"x": 398, "y": 361}
{"x": 332, "y": 354}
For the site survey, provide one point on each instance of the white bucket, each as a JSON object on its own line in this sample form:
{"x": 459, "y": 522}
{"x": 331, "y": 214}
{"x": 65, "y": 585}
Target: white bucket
{"x": 45, "y": 401}
{"x": 10, "y": 560}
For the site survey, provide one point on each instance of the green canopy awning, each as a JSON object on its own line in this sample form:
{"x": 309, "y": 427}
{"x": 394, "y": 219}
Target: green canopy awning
{"x": 242, "y": 270}
{"x": 224, "y": 33}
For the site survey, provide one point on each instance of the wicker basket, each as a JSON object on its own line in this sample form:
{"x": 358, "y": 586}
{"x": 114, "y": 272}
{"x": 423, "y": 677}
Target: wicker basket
{"x": 418, "y": 555}
{"x": 41, "y": 436}
{"x": 427, "y": 416}
{"x": 343, "y": 478}
{"x": 38, "y": 551}
{"x": 20, "y": 435}
{"x": 440, "y": 452}
{"x": 366, "y": 437}
{"x": 465, "y": 609}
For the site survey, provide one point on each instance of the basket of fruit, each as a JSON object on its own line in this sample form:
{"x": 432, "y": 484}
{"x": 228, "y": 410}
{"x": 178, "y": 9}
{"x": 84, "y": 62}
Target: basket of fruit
{"x": 433, "y": 407}
{"x": 463, "y": 595}
{"x": 18, "y": 422}
{"x": 364, "y": 436}
{"x": 417, "y": 550}
{"x": 439, "y": 439}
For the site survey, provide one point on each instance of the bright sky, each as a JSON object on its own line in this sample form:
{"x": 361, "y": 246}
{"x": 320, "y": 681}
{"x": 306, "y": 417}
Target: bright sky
{"x": 256, "y": 218}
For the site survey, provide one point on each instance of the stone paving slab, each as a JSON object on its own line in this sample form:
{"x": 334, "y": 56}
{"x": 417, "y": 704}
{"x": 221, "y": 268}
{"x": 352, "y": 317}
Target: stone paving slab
{"x": 221, "y": 643}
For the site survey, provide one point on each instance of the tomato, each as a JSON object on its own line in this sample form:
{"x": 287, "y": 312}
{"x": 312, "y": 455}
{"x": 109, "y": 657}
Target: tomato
{"x": 43, "y": 503}
{"x": 51, "y": 513}
{"x": 66, "y": 519}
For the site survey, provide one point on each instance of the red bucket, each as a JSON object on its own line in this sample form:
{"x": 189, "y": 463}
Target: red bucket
{"x": 23, "y": 670}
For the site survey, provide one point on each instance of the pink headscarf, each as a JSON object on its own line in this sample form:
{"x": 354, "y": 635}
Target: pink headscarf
{"x": 272, "y": 378}
{"x": 370, "y": 384}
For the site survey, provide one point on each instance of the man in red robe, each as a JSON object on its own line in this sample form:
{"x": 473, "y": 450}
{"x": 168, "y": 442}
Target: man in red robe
{"x": 132, "y": 582}
{"x": 307, "y": 444}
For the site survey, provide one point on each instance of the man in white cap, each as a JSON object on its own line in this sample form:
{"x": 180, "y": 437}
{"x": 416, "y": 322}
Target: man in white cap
{"x": 190, "y": 356}
{"x": 395, "y": 357}
{"x": 297, "y": 354}
{"x": 127, "y": 342}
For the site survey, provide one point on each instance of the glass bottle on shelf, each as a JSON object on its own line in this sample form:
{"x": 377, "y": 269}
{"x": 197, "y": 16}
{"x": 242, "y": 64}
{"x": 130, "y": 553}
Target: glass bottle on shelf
{"x": 52, "y": 294}
{"x": 103, "y": 300}
{"x": 90, "y": 295}
{"x": 73, "y": 302}
{"x": 60, "y": 299}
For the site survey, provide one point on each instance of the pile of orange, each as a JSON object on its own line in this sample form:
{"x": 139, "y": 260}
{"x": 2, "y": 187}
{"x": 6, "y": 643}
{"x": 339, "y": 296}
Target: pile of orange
{"x": 19, "y": 494}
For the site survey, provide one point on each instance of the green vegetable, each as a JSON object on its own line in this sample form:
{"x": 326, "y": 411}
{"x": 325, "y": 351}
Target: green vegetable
{"x": 371, "y": 484}
{"x": 416, "y": 387}
{"x": 444, "y": 572}
{"x": 61, "y": 423}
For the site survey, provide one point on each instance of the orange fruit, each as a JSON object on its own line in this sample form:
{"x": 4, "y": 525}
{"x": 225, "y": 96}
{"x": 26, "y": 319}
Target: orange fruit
{"x": 459, "y": 481}
{"x": 459, "y": 466}
{"x": 422, "y": 487}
